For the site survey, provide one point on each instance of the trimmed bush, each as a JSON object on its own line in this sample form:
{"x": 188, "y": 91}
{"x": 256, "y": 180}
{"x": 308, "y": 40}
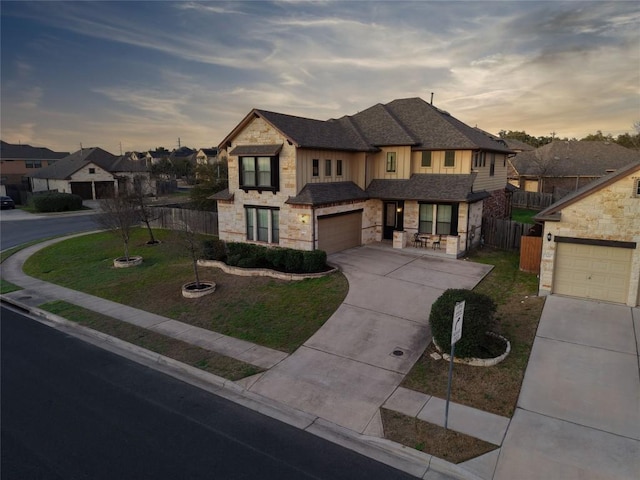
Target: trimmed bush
{"x": 314, "y": 261}
{"x": 214, "y": 249}
{"x": 57, "y": 202}
{"x": 478, "y": 319}
{"x": 293, "y": 261}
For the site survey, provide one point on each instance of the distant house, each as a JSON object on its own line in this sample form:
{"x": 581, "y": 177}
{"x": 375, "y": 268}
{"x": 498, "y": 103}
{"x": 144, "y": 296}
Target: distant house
{"x": 404, "y": 167}
{"x": 183, "y": 154}
{"x": 91, "y": 173}
{"x": 207, "y": 156}
{"x": 591, "y": 240}
{"x": 16, "y": 161}
{"x": 561, "y": 167}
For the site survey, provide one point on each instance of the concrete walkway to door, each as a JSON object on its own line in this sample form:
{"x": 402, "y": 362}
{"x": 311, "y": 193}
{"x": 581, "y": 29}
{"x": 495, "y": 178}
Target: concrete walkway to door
{"x": 348, "y": 368}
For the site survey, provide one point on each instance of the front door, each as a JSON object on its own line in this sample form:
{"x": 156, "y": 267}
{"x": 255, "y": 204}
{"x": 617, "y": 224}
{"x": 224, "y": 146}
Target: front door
{"x": 393, "y": 218}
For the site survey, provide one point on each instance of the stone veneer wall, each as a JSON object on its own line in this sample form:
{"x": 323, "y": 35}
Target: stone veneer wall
{"x": 611, "y": 213}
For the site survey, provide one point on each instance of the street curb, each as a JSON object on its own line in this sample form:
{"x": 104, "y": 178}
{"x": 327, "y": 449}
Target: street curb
{"x": 398, "y": 456}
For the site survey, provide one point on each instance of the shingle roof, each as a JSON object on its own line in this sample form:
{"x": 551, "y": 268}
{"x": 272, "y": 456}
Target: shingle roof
{"x": 550, "y": 213}
{"x": 126, "y": 164}
{"x": 67, "y": 166}
{"x": 428, "y": 187}
{"x": 563, "y": 158}
{"x": 222, "y": 195}
{"x": 409, "y": 121}
{"x": 326, "y": 193}
{"x": 27, "y": 152}
{"x": 266, "y": 150}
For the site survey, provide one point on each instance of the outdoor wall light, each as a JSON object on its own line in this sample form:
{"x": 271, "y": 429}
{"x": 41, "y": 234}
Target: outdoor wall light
{"x": 399, "y": 210}
{"x": 304, "y": 218}
{"x": 549, "y": 236}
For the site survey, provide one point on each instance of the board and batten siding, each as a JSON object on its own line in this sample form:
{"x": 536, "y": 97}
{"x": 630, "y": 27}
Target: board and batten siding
{"x": 352, "y": 167}
{"x": 462, "y": 162}
{"x": 378, "y": 164}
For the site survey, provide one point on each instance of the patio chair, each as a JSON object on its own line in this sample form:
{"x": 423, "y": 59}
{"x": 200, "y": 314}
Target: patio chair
{"x": 418, "y": 241}
{"x": 436, "y": 243}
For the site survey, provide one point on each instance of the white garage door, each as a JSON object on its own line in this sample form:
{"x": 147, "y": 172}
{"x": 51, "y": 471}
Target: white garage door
{"x": 591, "y": 271}
{"x": 340, "y": 232}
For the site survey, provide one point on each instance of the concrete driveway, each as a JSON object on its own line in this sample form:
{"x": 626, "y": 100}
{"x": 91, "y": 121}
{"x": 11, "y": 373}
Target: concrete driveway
{"x": 578, "y": 413}
{"x": 347, "y": 370}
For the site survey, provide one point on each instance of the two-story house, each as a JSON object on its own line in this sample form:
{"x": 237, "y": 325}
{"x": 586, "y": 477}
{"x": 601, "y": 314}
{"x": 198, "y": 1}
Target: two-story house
{"x": 330, "y": 185}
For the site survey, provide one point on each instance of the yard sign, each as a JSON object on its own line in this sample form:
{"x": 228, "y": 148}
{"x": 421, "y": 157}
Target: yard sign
{"x": 456, "y": 334}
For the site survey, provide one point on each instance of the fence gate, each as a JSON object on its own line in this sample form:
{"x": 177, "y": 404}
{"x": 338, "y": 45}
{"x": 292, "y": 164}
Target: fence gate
{"x": 530, "y": 254}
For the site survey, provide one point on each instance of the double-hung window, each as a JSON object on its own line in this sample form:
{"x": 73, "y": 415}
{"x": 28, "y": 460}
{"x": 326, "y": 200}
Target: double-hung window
{"x": 443, "y": 223}
{"x": 426, "y": 218}
{"x": 316, "y": 167}
{"x": 492, "y": 165}
{"x": 449, "y": 158}
{"x": 426, "y": 158}
{"x": 259, "y": 173}
{"x": 391, "y": 161}
{"x": 327, "y": 168}
{"x": 338, "y": 168}
{"x": 438, "y": 219}
{"x": 263, "y": 224}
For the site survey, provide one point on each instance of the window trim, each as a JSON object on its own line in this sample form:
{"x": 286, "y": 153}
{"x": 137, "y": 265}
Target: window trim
{"x": 449, "y": 153}
{"x": 315, "y": 167}
{"x": 338, "y": 168}
{"x": 391, "y": 166}
{"x": 492, "y": 165}
{"x": 327, "y": 167}
{"x": 273, "y": 224}
{"x": 274, "y": 170}
{"x": 453, "y": 220}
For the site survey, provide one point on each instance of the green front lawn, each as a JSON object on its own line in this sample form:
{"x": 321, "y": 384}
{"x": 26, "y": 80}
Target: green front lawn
{"x": 274, "y": 313}
{"x": 523, "y": 215}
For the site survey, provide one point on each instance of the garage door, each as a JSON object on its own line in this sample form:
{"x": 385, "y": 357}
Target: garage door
{"x": 592, "y": 271}
{"x": 339, "y": 232}
{"x": 83, "y": 189}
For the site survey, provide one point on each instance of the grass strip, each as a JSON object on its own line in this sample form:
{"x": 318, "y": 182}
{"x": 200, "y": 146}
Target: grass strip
{"x": 201, "y": 358}
{"x": 448, "y": 445}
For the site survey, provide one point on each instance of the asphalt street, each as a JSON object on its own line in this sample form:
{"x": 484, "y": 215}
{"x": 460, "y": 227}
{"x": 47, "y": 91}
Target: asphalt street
{"x": 71, "y": 410}
{"x": 16, "y": 231}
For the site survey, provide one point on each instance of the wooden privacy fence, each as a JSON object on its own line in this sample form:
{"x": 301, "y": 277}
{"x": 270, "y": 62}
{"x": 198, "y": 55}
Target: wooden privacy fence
{"x": 173, "y": 219}
{"x": 502, "y": 233}
{"x": 530, "y": 254}
{"x": 531, "y": 200}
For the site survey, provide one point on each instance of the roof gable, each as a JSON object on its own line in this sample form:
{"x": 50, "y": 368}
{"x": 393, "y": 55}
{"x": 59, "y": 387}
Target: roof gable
{"x": 19, "y": 152}
{"x": 552, "y": 211}
{"x": 67, "y": 166}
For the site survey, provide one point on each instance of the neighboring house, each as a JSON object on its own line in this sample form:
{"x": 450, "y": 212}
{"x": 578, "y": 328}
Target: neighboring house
{"x": 183, "y": 154}
{"x": 591, "y": 240}
{"x": 91, "y": 173}
{"x": 562, "y": 166}
{"x": 335, "y": 184}
{"x": 16, "y": 161}
{"x": 207, "y": 156}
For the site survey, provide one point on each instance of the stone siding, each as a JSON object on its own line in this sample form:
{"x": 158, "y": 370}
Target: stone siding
{"x": 611, "y": 213}
{"x": 496, "y": 205}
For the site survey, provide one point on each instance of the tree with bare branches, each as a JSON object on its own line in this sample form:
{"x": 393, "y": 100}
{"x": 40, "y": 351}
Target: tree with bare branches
{"x": 119, "y": 215}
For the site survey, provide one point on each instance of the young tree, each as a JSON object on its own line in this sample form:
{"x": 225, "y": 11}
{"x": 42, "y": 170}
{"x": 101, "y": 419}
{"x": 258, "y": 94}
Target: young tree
{"x": 193, "y": 246}
{"x": 119, "y": 215}
{"x": 138, "y": 196}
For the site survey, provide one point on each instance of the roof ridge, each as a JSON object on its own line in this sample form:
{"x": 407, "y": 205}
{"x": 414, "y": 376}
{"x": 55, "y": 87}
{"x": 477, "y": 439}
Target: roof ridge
{"x": 402, "y": 125}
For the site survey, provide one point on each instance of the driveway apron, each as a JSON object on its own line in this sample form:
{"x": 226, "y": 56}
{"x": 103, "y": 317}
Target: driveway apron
{"x": 354, "y": 362}
{"x": 578, "y": 413}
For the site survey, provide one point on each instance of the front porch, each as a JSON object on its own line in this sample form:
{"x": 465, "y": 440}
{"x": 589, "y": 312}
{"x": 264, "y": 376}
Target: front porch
{"x": 411, "y": 250}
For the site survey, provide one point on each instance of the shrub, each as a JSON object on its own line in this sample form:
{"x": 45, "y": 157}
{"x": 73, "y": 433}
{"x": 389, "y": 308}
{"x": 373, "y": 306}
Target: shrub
{"x": 276, "y": 257}
{"x": 478, "y": 319}
{"x": 249, "y": 262}
{"x": 314, "y": 261}
{"x": 214, "y": 249}
{"x": 293, "y": 261}
{"x": 57, "y": 202}
{"x": 234, "y": 259}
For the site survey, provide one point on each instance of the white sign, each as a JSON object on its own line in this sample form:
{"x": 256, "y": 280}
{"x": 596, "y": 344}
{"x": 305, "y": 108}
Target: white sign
{"x": 456, "y": 328}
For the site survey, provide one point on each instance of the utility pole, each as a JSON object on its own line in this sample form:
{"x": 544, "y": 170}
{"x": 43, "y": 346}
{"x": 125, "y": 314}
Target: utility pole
{"x": 178, "y": 142}
{"x": 120, "y": 148}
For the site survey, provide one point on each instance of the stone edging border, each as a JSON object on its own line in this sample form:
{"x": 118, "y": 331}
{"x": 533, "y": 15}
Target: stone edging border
{"x": 478, "y": 362}
{"x": 262, "y": 272}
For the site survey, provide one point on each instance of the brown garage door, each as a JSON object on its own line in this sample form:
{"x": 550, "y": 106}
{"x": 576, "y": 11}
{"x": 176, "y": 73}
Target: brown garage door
{"x": 83, "y": 189}
{"x": 592, "y": 271}
{"x": 105, "y": 190}
{"x": 339, "y": 232}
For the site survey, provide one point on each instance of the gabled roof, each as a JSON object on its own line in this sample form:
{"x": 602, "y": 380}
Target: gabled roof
{"x": 326, "y": 193}
{"x": 428, "y": 188}
{"x": 209, "y": 152}
{"x": 9, "y": 151}
{"x": 410, "y": 121}
{"x": 67, "y": 166}
{"x": 563, "y": 158}
{"x": 552, "y": 212}
{"x": 125, "y": 163}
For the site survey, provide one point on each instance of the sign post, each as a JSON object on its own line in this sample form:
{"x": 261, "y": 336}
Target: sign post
{"x": 456, "y": 334}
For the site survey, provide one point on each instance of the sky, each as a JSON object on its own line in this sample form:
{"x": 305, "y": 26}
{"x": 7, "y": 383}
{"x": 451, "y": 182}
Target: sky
{"x": 139, "y": 75}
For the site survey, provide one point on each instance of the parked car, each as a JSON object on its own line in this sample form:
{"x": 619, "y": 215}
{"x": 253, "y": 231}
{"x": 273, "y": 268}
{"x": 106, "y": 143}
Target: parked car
{"x": 7, "y": 202}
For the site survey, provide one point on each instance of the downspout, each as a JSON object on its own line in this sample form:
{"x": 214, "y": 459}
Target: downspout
{"x": 313, "y": 227}
{"x": 468, "y": 232}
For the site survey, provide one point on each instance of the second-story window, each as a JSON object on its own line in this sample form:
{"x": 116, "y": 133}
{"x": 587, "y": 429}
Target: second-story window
{"x": 449, "y": 158}
{"x": 492, "y": 165}
{"x": 391, "y": 161}
{"x": 259, "y": 173}
{"x": 338, "y": 168}
{"x": 316, "y": 167}
{"x": 426, "y": 158}
{"x": 327, "y": 168}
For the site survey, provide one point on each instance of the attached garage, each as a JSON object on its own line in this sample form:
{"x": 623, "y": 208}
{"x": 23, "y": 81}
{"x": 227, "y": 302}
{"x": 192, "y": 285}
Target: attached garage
{"x": 592, "y": 271}
{"x": 83, "y": 189}
{"x": 340, "y": 231}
